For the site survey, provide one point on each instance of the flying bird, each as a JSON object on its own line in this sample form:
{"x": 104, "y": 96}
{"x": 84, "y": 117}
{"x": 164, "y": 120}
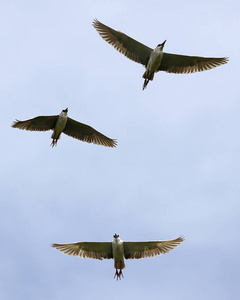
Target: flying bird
{"x": 118, "y": 250}
{"x": 155, "y": 60}
{"x": 62, "y": 123}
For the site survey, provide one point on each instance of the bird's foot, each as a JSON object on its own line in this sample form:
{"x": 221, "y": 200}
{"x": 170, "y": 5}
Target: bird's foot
{"x": 119, "y": 274}
{"x": 53, "y": 143}
{"x": 146, "y": 81}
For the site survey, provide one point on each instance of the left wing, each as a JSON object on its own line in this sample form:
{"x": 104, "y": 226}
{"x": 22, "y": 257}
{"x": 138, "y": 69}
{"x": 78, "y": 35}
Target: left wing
{"x": 149, "y": 249}
{"x": 88, "y": 134}
{"x": 175, "y": 63}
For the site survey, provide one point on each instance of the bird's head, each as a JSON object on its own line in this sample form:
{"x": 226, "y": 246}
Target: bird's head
{"x": 161, "y": 45}
{"x": 65, "y": 110}
{"x": 116, "y": 236}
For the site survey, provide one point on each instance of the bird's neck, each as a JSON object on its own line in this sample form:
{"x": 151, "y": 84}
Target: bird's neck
{"x": 117, "y": 241}
{"x": 158, "y": 50}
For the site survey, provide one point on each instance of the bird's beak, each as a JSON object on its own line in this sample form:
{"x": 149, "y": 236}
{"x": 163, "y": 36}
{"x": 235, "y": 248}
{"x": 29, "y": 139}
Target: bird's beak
{"x": 164, "y": 43}
{"x": 65, "y": 110}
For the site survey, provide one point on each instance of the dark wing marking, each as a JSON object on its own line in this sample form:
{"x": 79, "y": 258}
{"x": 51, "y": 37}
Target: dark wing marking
{"x": 174, "y": 63}
{"x": 88, "y": 134}
{"x": 149, "y": 249}
{"x": 131, "y": 48}
{"x": 42, "y": 123}
{"x": 96, "y": 250}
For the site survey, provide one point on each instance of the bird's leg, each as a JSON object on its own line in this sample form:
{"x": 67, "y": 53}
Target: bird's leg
{"x": 118, "y": 274}
{"x": 54, "y": 142}
{"x": 146, "y": 81}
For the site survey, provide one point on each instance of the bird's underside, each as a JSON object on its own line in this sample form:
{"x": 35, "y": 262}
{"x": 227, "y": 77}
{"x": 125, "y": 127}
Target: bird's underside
{"x": 140, "y": 53}
{"x": 131, "y": 250}
{"x": 73, "y": 128}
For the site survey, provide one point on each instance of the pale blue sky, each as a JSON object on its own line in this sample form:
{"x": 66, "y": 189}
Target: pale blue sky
{"x": 175, "y": 170}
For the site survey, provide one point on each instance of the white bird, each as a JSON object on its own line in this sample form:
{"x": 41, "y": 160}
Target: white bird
{"x": 118, "y": 250}
{"x": 62, "y": 123}
{"x": 155, "y": 60}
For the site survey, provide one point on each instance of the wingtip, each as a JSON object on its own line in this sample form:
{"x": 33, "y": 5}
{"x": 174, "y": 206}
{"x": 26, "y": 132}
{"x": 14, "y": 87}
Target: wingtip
{"x": 14, "y": 123}
{"x": 223, "y": 60}
{"x": 94, "y": 22}
{"x": 114, "y": 145}
{"x": 182, "y": 238}
{"x": 54, "y": 245}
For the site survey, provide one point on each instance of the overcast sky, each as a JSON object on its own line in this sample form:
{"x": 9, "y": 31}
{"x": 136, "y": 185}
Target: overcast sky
{"x": 174, "y": 172}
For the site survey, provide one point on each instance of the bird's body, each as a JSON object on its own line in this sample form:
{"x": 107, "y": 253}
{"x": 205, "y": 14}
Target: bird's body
{"x": 59, "y": 127}
{"x": 118, "y": 250}
{"x": 153, "y": 64}
{"x": 62, "y": 123}
{"x": 155, "y": 60}
{"x": 118, "y": 255}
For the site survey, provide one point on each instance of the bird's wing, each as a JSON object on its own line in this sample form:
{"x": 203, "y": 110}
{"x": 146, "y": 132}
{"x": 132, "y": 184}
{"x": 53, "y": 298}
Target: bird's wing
{"x": 96, "y": 250}
{"x": 42, "y": 123}
{"x": 175, "y": 63}
{"x": 149, "y": 249}
{"x": 123, "y": 43}
{"x": 86, "y": 133}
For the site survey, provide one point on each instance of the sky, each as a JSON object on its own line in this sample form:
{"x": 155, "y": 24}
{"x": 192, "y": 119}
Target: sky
{"x": 174, "y": 172}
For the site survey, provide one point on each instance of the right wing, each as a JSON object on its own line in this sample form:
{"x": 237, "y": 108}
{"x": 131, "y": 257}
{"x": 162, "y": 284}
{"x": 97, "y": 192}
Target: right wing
{"x": 131, "y": 48}
{"x": 42, "y": 123}
{"x": 96, "y": 250}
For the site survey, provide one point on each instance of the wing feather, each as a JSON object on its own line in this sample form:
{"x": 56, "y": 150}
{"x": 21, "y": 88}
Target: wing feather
{"x": 149, "y": 249}
{"x": 41, "y": 123}
{"x": 131, "y": 48}
{"x": 87, "y": 134}
{"x": 95, "y": 250}
{"x": 175, "y": 63}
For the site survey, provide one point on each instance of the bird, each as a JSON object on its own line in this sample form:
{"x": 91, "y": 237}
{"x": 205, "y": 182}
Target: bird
{"x": 155, "y": 60}
{"x": 62, "y": 123}
{"x": 118, "y": 250}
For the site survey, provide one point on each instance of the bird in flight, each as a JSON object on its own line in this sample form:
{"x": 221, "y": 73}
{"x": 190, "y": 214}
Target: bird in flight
{"x": 155, "y": 60}
{"x": 62, "y": 123}
{"x": 118, "y": 250}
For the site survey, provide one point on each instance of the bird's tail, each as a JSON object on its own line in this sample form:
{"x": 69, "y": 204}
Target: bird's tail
{"x": 55, "y": 136}
{"x": 147, "y": 77}
{"x": 119, "y": 265}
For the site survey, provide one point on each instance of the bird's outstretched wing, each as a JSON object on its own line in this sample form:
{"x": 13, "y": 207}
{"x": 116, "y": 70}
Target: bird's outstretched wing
{"x": 131, "y": 48}
{"x": 42, "y": 123}
{"x": 96, "y": 250}
{"x": 149, "y": 249}
{"x": 88, "y": 134}
{"x": 175, "y": 63}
